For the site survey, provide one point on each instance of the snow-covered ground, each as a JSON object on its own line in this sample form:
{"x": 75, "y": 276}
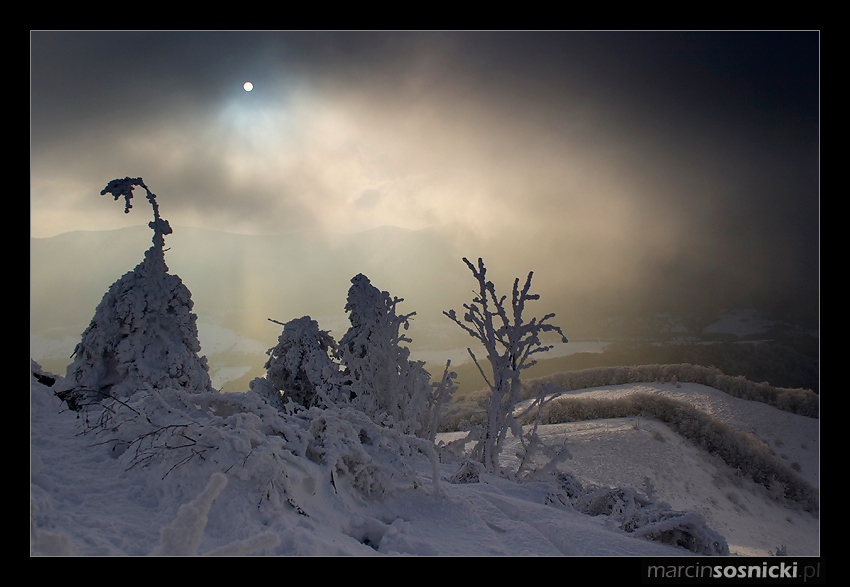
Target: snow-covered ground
{"x": 86, "y": 500}
{"x": 625, "y": 451}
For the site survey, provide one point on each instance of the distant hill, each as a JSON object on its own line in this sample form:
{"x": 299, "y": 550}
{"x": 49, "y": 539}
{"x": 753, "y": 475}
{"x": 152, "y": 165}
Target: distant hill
{"x": 239, "y": 281}
{"x": 290, "y": 275}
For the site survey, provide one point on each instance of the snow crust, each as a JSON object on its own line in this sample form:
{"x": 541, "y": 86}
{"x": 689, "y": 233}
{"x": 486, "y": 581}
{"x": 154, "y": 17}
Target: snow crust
{"x": 256, "y": 481}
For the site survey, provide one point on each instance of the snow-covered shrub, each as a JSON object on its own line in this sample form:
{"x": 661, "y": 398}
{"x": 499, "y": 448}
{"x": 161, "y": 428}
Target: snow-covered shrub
{"x": 186, "y": 437}
{"x": 638, "y": 515}
{"x": 509, "y": 341}
{"x": 143, "y": 333}
{"x": 384, "y": 383}
{"x": 685, "y": 529}
{"x": 368, "y": 457}
{"x": 468, "y": 472}
{"x": 300, "y": 368}
{"x": 796, "y": 401}
{"x": 374, "y": 373}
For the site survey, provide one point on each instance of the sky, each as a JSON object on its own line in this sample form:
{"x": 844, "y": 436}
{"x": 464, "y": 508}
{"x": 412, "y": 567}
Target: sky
{"x": 622, "y": 166}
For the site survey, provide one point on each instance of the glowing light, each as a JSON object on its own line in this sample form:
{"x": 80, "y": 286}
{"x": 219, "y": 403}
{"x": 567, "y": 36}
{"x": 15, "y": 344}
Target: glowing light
{"x": 248, "y": 86}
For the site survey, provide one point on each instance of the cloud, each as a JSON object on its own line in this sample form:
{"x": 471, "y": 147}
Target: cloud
{"x": 620, "y": 164}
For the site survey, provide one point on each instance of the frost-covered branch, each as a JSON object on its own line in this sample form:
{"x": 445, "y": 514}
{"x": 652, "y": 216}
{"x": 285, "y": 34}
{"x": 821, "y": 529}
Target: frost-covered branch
{"x": 440, "y": 396}
{"x": 531, "y": 442}
{"x": 183, "y": 536}
{"x": 124, "y": 188}
{"x": 509, "y": 342}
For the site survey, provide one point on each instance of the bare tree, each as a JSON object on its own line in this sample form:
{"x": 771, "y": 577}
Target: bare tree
{"x": 510, "y": 342}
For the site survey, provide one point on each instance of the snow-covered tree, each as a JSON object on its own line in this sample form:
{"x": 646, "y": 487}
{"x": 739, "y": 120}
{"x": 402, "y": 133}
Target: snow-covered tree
{"x": 384, "y": 382}
{"x": 510, "y": 342}
{"x": 143, "y": 333}
{"x": 300, "y": 368}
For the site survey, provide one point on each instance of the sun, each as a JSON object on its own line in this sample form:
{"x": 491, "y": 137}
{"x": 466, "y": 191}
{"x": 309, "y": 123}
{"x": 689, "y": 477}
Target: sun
{"x": 248, "y": 86}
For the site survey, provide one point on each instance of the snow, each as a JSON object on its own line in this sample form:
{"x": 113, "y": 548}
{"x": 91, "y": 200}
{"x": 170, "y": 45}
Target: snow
{"x": 253, "y": 496}
{"x": 143, "y": 455}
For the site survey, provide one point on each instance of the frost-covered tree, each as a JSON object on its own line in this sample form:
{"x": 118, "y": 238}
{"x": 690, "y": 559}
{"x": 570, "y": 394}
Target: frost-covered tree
{"x": 300, "y": 368}
{"x": 143, "y": 333}
{"x": 384, "y": 382}
{"x": 509, "y": 342}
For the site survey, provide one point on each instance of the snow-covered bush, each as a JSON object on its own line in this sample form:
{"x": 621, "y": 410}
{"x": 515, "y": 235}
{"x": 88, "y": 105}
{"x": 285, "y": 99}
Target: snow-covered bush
{"x": 803, "y": 402}
{"x": 368, "y": 457}
{"x": 468, "y": 472}
{"x": 383, "y": 381}
{"x": 187, "y": 437}
{"x": 509, "y": 341}
{"x": 300, "y": 368}
{"x": 143, "y": 333}
{"x": 638, "y": 515}
{"x": 369, "y": 370}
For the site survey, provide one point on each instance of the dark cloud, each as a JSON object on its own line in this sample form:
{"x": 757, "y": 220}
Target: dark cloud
{"x": 653, "y": 167}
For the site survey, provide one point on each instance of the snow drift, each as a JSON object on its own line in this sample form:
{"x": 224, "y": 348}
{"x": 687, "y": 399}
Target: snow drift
{"x": 334, "y": 483}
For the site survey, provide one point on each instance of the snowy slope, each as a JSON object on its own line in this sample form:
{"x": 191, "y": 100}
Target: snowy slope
{"x": 84, "y": 500}
{"x": 625, "y": 451}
